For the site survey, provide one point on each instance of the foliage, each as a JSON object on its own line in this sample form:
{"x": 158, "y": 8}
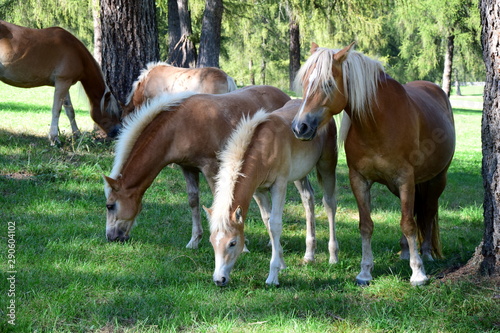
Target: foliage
{"x": 73, "y": 15}
{"x": 407, "y": 36}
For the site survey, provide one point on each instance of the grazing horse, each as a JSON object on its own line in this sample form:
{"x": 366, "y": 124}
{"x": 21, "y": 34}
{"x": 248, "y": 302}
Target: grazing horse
{"x": 185, "y": 129}
{"x": 261, "y": 157}
{"x": 161, "y": 77}
{"x": 54, "y": 57}
{"x": 402, "y": 136}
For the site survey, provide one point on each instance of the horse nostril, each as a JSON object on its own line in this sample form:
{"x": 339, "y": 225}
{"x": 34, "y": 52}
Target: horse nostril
{"x": 303, "y": 128}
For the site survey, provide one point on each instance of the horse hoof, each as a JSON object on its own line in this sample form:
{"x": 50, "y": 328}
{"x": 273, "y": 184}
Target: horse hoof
{"x": 419, "y": 282}
{"x": 362, "y": 283}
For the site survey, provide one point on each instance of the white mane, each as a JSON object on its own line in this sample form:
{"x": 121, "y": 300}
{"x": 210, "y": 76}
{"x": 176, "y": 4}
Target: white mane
{"x": 144, "y": 73}
{"x": 231, "y": 161}
{"x": 135, "y": 123}
{"x": 360, "y": 75}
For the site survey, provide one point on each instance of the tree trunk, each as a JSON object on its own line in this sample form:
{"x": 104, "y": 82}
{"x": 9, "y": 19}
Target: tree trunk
{"x": 129, "y": 41}
{"x": 210, "y": 34}
{"x": 489, "y": 256}
{"x": 252, "y": 72}
{"x": 182, "y": 52}
{"x": 97, "y": 31}
{"x": 294, "y": 50}
{"x": 448, "y": 64}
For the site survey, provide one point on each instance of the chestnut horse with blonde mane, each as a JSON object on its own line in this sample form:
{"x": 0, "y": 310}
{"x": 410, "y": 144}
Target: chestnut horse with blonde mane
{"x": 402, "y": 136}
{"x": 54, "y": 57}
{"x": 261, "y": 157}
{"x": 185, "y": 129}
{"x": 161, "y": 77}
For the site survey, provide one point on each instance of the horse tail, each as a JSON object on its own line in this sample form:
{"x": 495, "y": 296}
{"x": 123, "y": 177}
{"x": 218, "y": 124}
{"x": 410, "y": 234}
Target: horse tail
{"x": 437, "y": 250}
{"x": 231, "y": 162}
{"x": 231, "y": 84}
{"x": 423, "y": 223}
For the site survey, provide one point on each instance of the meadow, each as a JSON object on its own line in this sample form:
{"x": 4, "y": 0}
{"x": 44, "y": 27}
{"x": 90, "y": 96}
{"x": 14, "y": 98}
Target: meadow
{"x": 68, "y": 278}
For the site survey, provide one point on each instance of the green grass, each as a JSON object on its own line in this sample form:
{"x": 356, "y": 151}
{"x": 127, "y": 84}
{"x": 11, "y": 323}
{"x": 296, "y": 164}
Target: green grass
{"x": 70, "y": 279}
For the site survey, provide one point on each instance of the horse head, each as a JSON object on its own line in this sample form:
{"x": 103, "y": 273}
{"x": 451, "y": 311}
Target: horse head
{"x": 122, "y": 208}
{"x": 228, "y": 243}
{"x": 322, "y": 82}
{"x": 111, "y": 112}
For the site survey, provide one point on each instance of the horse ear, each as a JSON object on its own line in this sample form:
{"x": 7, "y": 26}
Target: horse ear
{"x": 238, "y": 216}
{"x": 113, "y": 183}
{"x": 314, "y": 47}
{"x": 342, "y": 54}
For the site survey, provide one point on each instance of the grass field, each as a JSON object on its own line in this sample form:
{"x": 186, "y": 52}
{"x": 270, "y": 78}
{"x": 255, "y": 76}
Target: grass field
{"x": 70, "y": 279}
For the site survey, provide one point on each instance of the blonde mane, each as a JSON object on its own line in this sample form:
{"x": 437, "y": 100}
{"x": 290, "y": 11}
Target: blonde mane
{"x": 144, "y": 73}
{"x": 135, "y": 123}
{"x": 231, "y": 161}
{"x": 360, "y": 75}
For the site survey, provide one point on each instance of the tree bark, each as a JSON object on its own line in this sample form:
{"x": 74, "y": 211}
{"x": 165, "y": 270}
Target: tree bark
{"x": 489, "y": 256}
{"x": 448, "y": 64}
{"x": 211, "y": 34}
{"x": 182, "y": 51}
{"x": 129, "y": 41}
{"x": 294, "y": 50}
{"x": 97, "y": 31}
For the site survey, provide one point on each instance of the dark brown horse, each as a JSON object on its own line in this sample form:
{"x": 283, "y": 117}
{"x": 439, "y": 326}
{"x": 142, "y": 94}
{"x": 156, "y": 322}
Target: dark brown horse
{"x": 185, "y": 129}
{"x": 54, "y": 57}
{"x": 160, "y": 77}
{"x": 402, "y": 136}
{"x": 261, "y": 157}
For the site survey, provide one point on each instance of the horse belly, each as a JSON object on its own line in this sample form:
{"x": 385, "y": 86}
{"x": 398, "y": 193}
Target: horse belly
{"x": 303, "y": 162}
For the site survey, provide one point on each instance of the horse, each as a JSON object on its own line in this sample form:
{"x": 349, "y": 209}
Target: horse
{"x": 187, "y": 129}
{"x": 160, "y": 77}
{"x": 261, "y": 157}
{"x": 54, "y": 57}
{"x": 399, "y": 135}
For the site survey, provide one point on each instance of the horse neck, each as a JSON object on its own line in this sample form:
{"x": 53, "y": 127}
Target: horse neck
{"x": 151, "y": 153}
{"x": 93, "y": 82}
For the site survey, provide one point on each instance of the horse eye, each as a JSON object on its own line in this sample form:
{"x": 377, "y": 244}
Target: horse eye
{"x": 232, "y": 243}
{"x": 110, "y": 206}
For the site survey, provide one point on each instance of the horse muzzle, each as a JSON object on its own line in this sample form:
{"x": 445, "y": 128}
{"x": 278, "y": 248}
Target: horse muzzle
{"x": 305, "y": 129}
{"x": 116, "y": 235}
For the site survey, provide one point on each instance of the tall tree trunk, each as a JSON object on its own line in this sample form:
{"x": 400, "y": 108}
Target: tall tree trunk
{"x": 252, "y": 72}
{"x": 129, "y": 41}
{"x": 489, "y": 256}
{"x": 210, "y": 34}
{"x": 182, "y": 51}
{"x": 294, "y": 65}
{"x": 96, "y": 12}
{"x": 448, "y": 64}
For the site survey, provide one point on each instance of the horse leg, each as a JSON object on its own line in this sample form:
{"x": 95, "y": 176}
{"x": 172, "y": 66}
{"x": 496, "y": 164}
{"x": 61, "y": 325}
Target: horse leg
{"x": 327, "y": 179}
{"x": 70, "y": 112}
{"x": 278, "y": 194}
{"x": 409, "y": 229}
{"x": 60, "y": 92}
{"x": 261, "y": 197}
{"x": 192, "y": 177}
{"x": 307, "y": 195}
{"x": 361, "y": 190}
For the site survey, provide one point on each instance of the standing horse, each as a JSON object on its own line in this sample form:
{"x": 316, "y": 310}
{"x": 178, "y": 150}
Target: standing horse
{"x": 183, "y": 129}
{"x": 161, "y": 77}
{"x": 402, "y": 136}
{"x": 54, "y": 57}
{"x": 261, "y": 157}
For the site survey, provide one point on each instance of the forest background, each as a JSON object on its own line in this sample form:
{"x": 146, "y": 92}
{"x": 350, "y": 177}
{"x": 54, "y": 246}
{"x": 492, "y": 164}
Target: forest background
{"x": 420, "y": 39}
